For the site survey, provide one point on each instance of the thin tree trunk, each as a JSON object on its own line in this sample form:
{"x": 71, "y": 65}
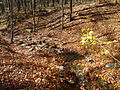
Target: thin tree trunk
{"x": 70, "y": 10}
{"x": 11, "y": 16}
{"x": 18, "y": 5}
{"x": 33, "y": 4}
{"x": 62, "y": 16}
{"x": 47, "y": 3}
{"x": 22, "y": 4}
{"x": 66, "y": 1}
{"x": 25, "y": 8}
{"x": 53, "y": 1}
{"x": 57, "y": 1}
{"x": 44, "y": 2}
{"x": 2, "y": 7}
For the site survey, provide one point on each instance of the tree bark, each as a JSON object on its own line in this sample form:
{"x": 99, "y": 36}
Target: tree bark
{"x": 2, "y": 7}
{"x": 25, "y": 8}
{"x": 62, "y": 16}
{"x": 11, "y": 16}
{"x": 53, "y": 1}
{"x": 18, "y": 5}
{"x": 70, "y": 10}
{"x": 33, "y": 4}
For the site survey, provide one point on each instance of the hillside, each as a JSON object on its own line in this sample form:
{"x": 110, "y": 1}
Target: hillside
{"x": 50, "y": 58}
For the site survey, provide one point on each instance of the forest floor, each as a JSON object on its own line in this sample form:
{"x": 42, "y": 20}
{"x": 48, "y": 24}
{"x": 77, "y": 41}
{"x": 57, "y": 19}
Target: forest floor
{"x": 50, "y": 58}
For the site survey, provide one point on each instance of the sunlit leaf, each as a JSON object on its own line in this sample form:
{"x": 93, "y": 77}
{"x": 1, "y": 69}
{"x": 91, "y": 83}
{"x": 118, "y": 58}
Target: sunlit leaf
{"x": 28, "y": 30}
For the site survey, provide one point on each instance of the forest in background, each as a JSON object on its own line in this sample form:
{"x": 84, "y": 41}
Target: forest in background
{"x": 59, "y": 44}
{"x": 14, "y": 10}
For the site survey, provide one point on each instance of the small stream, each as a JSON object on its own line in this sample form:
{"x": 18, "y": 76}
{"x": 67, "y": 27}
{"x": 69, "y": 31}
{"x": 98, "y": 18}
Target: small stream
{"x": 84, "y": 79}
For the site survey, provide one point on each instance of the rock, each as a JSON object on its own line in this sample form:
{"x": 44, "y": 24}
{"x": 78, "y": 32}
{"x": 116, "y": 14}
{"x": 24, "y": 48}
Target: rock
{"x": 90, "y": 60}
{"x": 41, "y": 42}
{"x": 58, "y": 50}
{"x": 31, "y": 49}
{"x": 112, "y": 65}
{"x": 54, "y": 47}
{"x": 32, "y": 43}
{"x": 61, "y": 67}
{"x": 23, "y": 45}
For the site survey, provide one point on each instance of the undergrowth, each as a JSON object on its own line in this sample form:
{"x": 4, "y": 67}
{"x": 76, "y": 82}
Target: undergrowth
{"x": 90, "y": 41}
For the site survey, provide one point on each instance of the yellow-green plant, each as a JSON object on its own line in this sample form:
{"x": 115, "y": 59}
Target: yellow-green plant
{"x": 28, "y": 30}
{"x": 90, "y": 41}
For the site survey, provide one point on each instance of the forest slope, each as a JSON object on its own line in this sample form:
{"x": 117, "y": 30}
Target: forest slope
{"x": 49, "y": 59}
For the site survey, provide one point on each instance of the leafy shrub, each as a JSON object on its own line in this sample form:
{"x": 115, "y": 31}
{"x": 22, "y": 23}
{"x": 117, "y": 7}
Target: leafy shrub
{"x": 90, "y": 41}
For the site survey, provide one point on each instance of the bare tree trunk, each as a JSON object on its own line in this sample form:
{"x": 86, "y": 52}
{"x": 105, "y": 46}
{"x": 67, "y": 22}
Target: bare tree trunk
{"x": 44, "y": 2}
{"x": 18, "y": 5}
{"x": 25, "y": 8}
{"x": 57, "y": 1}
{"x": 33, "y": 4}
{"x": 62, "y": 16}
{"x": 66, "y": 1}
{"x": 70, "y": 10}
{"x": 11, "y": 16}
{"x": 47, "y": 3}
{"x": 53, "y": 1}
{"x": 2, "y": 8}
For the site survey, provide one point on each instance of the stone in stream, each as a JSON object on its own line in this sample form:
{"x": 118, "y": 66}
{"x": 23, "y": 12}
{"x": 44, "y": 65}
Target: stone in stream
{"x": 90, "y": 60}
{"x": 32, "y": 43}
{"x": 41, "y": 42}
{"x": 53, "y": 47}
{"x": 58, "y": 50}
{"x": 62, "y": 68}
{"x": 112, "y": 65}
{"x": 31, "y": 49}
{"x": 23, "y": 45}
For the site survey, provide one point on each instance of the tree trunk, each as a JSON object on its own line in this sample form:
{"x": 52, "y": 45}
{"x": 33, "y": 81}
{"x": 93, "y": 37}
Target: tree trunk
{"x": 18, "y": 5}
{"x": 66, "y": 1}
{"x": 33, "y": 4}
{"x": 70, "y": 10}
{"x": 25, "y": 6}
{"x": 53, "y": 1}
{"x": 2, "y": 7}
{"x": 62, "y": 16}
{"x": 57, "y": 1}
{"x": 47, "y": 2}
{"x": 11, "y": 16}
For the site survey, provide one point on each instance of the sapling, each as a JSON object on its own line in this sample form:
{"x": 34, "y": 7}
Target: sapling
{"x": 90, "y": 41}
